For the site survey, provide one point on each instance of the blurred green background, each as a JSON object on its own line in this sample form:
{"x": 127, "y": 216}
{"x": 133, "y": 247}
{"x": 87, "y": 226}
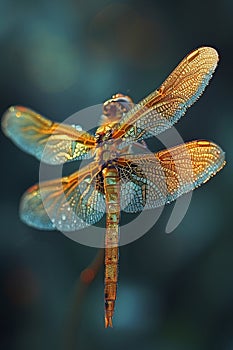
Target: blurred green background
{"x": 175, "y": 291}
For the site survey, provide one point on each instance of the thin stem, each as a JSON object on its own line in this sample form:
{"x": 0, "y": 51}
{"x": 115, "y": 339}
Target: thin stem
{"x": 87, "y": 276}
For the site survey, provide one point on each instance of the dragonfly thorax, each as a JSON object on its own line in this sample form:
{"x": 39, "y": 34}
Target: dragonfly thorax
{"x": 104, "y": 132}
{"x": 107, "y": 150}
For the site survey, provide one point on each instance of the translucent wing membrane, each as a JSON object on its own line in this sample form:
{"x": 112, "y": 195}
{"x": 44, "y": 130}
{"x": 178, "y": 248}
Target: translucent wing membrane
{"x": 164, "y": 107}
{"x": 151, "y": 180}
{"x": 48, "y": 141}
{"x": 67, "y": 204}
{"x": 147, "y": 181}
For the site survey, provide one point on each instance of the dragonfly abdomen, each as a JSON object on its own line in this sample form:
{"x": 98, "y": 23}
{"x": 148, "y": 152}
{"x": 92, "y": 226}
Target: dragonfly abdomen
{"x": 112, "y": 197}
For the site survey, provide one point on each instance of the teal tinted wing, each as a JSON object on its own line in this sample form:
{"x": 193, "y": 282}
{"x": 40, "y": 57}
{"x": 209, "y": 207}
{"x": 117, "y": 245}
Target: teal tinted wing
{"x": 67, "y": 204}
{"x": 50, "y": 142}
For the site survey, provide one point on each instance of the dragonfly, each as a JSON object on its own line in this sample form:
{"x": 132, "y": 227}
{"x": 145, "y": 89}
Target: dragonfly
{"x": 116, "y": 179}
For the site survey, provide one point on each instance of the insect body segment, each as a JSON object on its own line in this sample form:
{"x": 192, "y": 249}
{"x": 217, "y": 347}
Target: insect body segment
{"x": 112, "y": 198}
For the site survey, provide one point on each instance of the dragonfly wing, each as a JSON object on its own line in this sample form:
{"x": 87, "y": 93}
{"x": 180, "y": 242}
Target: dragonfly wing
{"x": 164, "y": 107}
{"x": 151, "y": 181}
{"x": 67, "y": 204}
{"x": 48, "y": 141}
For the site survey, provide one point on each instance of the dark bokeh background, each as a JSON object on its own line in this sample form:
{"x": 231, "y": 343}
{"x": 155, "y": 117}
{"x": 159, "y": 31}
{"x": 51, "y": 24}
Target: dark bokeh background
{"x": 175, "y": 291}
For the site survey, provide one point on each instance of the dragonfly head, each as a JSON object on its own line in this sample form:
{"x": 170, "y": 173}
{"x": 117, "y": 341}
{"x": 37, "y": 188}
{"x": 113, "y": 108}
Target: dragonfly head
{"x": 114, "y": 108}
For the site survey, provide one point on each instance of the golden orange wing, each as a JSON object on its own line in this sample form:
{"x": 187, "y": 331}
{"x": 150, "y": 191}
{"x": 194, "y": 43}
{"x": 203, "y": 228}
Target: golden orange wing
{"x": 48, "y": 141}
{"x": 67, "y": 204}
{"x": 149, "y": 181}
{"x": 164, "y": 107}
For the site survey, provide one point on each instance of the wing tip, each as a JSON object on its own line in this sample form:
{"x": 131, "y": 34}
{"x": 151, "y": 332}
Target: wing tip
{"x": 11, "y": 112}
{"x": 5, "y": 119}
{"x": 215, "y": 150}
{"x": 31, "y": 218}
{"x": 211, "y": 51}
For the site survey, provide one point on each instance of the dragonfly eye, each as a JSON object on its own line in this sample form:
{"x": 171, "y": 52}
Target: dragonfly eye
{"x": 117, "y": 106}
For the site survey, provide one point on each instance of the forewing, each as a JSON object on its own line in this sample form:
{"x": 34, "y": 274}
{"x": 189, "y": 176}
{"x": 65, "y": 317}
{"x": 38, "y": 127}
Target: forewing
{"x": 67, "y": 204}
{"x": 164, "y": 107}
{"x": 50, "y": 142}
{"x": 151, "y": 181}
